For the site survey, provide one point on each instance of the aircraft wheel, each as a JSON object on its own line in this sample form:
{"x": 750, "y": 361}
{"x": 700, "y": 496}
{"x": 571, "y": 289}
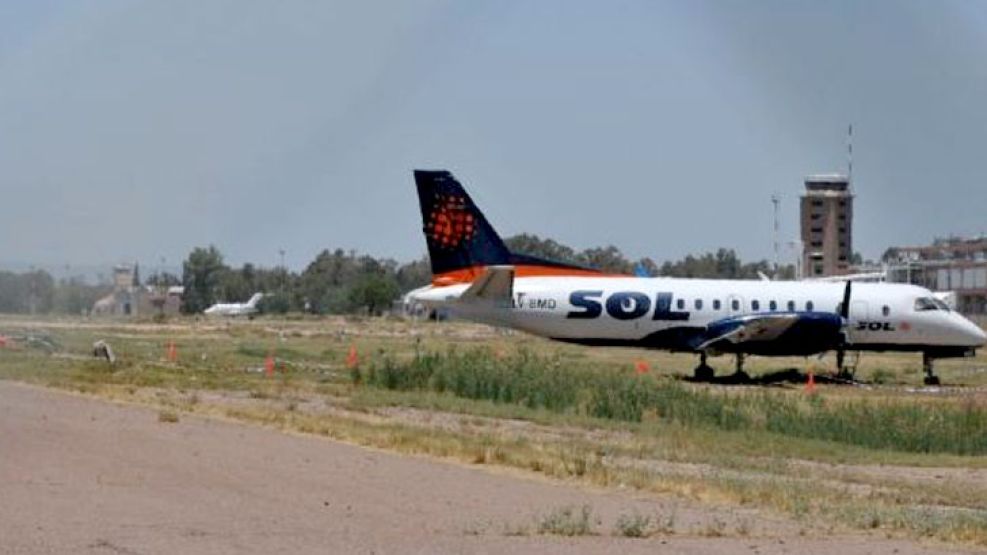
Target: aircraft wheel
{"x": 930, "y": 374}
{"x": 704, "y": 373}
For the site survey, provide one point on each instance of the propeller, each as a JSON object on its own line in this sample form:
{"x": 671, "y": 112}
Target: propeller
{"x": 845, "y": 317}
{"x": 845, "y": 307}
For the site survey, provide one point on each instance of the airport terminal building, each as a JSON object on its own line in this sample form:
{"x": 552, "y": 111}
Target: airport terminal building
{"x": 952, "y": 264}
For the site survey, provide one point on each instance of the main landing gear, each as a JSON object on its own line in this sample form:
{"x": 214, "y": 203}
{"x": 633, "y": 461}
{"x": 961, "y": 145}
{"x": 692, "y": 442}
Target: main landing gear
{"x": 930, "y": 375}
{"x": 703, "y": 372}
{"x": 739, "y": 375}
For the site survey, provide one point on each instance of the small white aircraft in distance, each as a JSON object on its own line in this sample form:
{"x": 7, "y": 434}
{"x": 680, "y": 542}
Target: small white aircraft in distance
{"x": 476, "y": 277}
{"x": 247, "y": 309}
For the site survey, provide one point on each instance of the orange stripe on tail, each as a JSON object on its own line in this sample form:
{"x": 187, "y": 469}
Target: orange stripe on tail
{"x": 467, "y": 275}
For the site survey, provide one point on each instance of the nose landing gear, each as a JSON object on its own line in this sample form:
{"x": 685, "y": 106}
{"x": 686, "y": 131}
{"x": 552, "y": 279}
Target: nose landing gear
{"x": 847, "y": 371}
{"x": 930, "y": 375}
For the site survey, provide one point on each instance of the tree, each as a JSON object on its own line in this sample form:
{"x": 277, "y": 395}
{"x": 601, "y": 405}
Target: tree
{"x": 723, "y": 264}
{"x": 324, "y": 282}
{"x": 549, "y": 249}
{"x": 75, "y": 296}
{"x": 30, "y": 292}
{"x": 162, "y": 279}
{"x": 233, "y": 286}
{"x": 414, "y": 274}
{"x": 607, "y": 259}
{"x": 201, "y": 274}
{"x": 647, "y": 267}
{"x": 373, "y": 292}
{"x": 275, "y": 303}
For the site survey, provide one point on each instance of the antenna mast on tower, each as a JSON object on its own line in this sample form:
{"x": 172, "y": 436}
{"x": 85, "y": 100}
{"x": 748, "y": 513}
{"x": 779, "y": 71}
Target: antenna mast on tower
{"x": 849, "y": 155}
{"x": 775, "y": 199}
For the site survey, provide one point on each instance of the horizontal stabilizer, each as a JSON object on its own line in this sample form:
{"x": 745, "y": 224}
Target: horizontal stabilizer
{"x": 496, "y": 284}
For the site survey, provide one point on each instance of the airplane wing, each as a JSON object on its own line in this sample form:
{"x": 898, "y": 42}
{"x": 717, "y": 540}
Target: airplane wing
{"x": 756, "y": 327}
{"x": 790, "y": 333}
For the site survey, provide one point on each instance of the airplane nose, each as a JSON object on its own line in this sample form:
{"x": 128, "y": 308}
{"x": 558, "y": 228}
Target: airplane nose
{"x": 979, "y": 336}
{"x": 974, "y": 333}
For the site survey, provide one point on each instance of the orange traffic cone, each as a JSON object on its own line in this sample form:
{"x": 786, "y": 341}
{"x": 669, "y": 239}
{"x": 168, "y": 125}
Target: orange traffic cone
{"x": 352, "y": 360}
{"x": 641, "y": 367}
{"x": 172, "y": 352}
{"x": 810, "y": 384}
{"x": 269, "y": 365}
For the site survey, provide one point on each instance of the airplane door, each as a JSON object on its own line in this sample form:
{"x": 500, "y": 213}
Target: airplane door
{"x": 735, "y": 305}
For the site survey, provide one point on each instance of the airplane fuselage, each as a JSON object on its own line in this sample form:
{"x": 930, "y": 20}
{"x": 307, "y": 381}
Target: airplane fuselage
{"x": 673, "y": 314}
{"x": 230, "y": 309}
{"x": 248, "y": 308}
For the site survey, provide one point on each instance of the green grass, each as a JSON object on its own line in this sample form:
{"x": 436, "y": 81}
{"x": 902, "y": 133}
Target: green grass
{"x": 167, "y": 416}
{"x": 667, "y": 440}
{"x": 567, "y": 521}
{"x": 633, "y": 525}
{"x": 551, "y": 384}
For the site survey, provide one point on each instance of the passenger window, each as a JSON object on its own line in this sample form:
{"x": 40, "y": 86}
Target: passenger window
{"x": 809, "y": 306}
{"x": 886, "y": 311}
{"x": 680, "y": 304}
{"x": 735, "y": 304}
{"x": 755, "y": 305}
{"x": 699, "y": 304}
{"x": 716, "y": 304}
{"x": 791, "y": 306}
{"x": 772, "y": 306}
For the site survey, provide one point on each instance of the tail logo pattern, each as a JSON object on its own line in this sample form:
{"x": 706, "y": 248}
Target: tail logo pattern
{"x": 450, "y": 223}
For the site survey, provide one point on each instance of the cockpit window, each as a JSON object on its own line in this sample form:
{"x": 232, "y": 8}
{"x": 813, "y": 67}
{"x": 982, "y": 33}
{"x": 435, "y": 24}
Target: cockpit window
{"x": 929, "y": 303}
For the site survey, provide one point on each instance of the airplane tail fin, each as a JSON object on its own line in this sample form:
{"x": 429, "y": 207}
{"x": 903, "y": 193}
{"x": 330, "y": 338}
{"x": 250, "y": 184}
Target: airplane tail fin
{"x": 461, "y": 242}
{"x": 254, "y": 300}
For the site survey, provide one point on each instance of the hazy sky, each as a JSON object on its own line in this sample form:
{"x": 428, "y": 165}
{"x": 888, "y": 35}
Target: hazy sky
{"x": 137, "y": 130}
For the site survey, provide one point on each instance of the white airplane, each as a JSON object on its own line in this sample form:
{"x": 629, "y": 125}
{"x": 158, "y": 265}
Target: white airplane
{"x": 476, "y": 277}
{"x": 247, "y": 309}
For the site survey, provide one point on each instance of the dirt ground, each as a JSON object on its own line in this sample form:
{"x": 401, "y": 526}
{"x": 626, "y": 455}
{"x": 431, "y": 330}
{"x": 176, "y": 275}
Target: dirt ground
{"x": 79, "y": 475}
